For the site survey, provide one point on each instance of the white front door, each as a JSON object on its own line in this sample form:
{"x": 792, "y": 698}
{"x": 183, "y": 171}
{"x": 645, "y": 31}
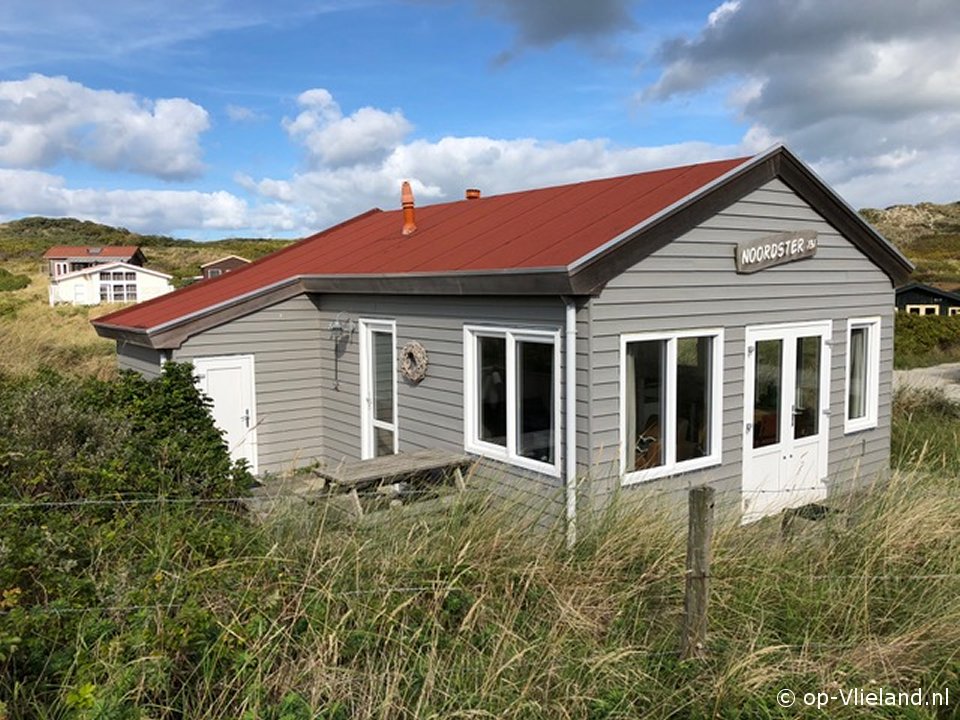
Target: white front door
{"x": 229, "y": 382}
{"x": 80, "y": 293}
{"x": 786, "y": 417}
{"x": 378, "y": 388}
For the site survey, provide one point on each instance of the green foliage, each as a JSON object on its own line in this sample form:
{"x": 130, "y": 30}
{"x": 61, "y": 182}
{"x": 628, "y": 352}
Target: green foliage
{"x": 9, "y": 281}
{"x": 191, "y": 610}
{"x": 924, "y": 340}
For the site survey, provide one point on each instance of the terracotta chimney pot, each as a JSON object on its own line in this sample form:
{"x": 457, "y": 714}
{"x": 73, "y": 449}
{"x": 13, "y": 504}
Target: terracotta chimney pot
{"x": 406, "y": 200}
{"x": 473, "y": 194}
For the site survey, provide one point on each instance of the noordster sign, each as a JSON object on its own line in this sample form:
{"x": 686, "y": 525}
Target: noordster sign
{"x": 765, "y": 252}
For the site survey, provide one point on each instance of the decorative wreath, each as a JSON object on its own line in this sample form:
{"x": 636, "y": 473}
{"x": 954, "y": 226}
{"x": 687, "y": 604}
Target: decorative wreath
{"x": 413, "y": 361}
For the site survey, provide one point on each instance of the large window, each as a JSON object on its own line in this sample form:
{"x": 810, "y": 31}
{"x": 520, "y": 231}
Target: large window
{"x": 512, "y": 396}
{"x": 863, "y": 374}
{"x": 118, "y": 286}
{"x": 671, "y": 402}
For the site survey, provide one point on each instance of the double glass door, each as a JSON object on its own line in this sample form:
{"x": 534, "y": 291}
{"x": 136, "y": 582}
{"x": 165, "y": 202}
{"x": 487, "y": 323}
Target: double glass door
{"x": 786, "y": 419}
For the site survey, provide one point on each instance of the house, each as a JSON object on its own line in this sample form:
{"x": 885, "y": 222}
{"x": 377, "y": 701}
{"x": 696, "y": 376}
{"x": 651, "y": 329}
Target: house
{"x": 65, "y": 259}
{"x": 919, "y": 299}
{"x": 223, "y": 265}
{"x": 116, "y": 282}
{"x": 728, "y": 323}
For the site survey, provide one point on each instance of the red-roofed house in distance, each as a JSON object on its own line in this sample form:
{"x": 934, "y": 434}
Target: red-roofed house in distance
{"x": 727, "y": 323}
{"x": 86, "y": 275}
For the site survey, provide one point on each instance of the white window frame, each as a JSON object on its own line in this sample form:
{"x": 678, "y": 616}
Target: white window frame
{"x": 923, "y": 309}
{"x": 955, "y": 310}
{"x": 871, "y": 418}
{"x": 471, "y": 436}
{"x": 670, "y": 465}
{"x": 368, "y": 423}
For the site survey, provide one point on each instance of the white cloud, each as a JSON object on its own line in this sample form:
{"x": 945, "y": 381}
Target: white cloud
{"x": 870, "y": 96}
{"x": 44, "y": 120}
{"x": 24, "y": 192}
{"x": 366, "y": 136}
{"x": 241, "y": 113}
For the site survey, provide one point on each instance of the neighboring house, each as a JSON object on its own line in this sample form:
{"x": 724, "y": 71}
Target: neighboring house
{"x": 221, "y": 266}
{"x": 728, "y": 323}
{"x": 65, "y": 259}
{"x": 919, "y": 299}
{"x": 115, "y": 282}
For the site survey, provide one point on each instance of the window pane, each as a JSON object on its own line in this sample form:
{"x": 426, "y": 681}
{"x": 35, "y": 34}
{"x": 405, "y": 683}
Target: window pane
{"x": 694, "y": 360}
{"x": 766, "y": 393}
{"x": 131, "y": 292}
{"x": 645, "y": 402}
{"x": 806, "y": 409}
{"x": 382, "y": 375}
{"x": 128, "y": 276}
{"x": 535, "y": 412}
{"x": 492, "y": 390}
{"x": 857, "y": 400}
{"x": 383, "y": 442}
{"x": 104, "y": 293}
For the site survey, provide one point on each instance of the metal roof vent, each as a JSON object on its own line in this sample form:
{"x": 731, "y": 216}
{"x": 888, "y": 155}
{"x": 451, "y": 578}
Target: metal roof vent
{"x": 94, "y": 251}
{"x": 406, "y": 200}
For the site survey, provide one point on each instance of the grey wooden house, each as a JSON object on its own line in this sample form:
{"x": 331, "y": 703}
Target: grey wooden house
{"x": 727, "y": 323}
{"x": 919, "y": 299}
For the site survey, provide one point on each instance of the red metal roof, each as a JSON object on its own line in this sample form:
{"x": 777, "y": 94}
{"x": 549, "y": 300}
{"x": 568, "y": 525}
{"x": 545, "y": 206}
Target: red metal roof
{"x": 84, "y": 251}
{"x": 544, "y": 228}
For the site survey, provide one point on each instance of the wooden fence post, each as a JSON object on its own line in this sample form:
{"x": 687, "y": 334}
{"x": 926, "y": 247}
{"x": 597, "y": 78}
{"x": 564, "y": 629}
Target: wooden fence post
{"x": 697, "y": 591}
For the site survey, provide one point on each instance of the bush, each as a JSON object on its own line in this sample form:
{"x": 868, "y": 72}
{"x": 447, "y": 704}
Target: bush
{"x": 9, "y": 281}
{"x": 923, "y": 340}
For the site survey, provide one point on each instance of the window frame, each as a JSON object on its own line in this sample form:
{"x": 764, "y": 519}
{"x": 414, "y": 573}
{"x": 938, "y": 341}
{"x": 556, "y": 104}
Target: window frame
{"x": 870, "y": 420}
{"x": 471, "y": 435}
{"x": 670, "y": 465}
{"x": 922, "y": 307}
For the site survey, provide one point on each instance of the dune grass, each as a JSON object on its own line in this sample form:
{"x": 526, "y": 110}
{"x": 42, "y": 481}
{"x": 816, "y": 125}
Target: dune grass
{"x": 473, "y": 614}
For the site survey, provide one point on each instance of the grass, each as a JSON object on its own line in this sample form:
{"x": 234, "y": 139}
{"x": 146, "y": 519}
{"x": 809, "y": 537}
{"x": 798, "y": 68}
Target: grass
{"x": 471, "y": 614}
{"x": 34, "y": 335}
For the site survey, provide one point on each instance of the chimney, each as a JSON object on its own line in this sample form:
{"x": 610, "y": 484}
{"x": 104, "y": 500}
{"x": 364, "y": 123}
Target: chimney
{"x": 473, "y": 194}
{"x": 406, "y": 199}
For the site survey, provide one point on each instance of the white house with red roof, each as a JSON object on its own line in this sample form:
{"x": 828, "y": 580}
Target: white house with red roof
{"x": 728, "y": 323}
{"x": 65, "y": 259}
{"x": 115, "y": 282}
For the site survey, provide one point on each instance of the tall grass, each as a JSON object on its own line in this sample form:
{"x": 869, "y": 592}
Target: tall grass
{"x": 470, "y": 614}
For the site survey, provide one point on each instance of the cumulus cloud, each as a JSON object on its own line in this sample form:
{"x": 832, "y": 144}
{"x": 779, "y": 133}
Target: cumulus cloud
{"x": 331, "y": 139}
{"x": 545, "y": 22}
{"x": 443, "y": 169}
{"x": 154, "y": 211}
{"x": 44, "y": 120}
{"x": 869, "y": 95}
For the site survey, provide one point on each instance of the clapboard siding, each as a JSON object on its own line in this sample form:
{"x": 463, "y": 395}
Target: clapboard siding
{"x": 145, "y": 361}
{"x": 430, "y": 414}
{"x": 691, "y": 283}
{"x": 285, "y": 340}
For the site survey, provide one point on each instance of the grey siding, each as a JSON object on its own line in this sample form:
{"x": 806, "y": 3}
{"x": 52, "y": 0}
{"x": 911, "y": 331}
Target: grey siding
{"x": 691, "y": 283}
{"x": 145, "y": 361}
{"x": 285, "y": 340}
{"x": 430, "y": 414}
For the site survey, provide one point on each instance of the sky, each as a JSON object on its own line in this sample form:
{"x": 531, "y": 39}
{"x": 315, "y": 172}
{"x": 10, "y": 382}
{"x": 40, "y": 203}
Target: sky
{"x": 246, "y": 118}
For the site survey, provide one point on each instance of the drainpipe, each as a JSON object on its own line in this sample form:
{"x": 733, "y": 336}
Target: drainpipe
{"x": 570, "y": 423}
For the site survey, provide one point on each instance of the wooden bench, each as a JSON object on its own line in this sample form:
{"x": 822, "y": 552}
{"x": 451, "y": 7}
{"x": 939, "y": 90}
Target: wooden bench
{"x": 360, "y": 474}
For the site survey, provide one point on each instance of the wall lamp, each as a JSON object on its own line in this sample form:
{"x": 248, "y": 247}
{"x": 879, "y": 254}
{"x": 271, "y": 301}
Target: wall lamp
{"x": 339, "y": 328}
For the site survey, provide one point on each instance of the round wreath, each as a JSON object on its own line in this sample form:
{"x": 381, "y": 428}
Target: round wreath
{"x": 413, "y": 361}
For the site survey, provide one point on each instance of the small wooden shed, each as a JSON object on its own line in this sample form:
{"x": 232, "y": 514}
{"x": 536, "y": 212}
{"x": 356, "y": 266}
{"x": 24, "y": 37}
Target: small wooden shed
{"x": 728, "y": 323}
{"x": 919, "y": 299}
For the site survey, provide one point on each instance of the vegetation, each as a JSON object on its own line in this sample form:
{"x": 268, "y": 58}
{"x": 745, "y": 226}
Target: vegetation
{"x": 26, "y": 240}
{"x": 190, "y": 609}
{"x": 928, "y": 234}
{"x": 10, "y": 282}
{"x": 924, "y": 340}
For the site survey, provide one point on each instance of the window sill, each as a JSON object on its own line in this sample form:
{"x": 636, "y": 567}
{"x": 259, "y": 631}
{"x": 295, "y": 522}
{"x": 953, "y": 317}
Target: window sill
{"x": 641, "y": 476}
{"x": 859, "y": 425}
{"x": 495, "y": 452}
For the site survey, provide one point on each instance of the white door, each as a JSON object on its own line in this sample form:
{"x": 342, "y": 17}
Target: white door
{"x": 229, "y": 382}
{"x": 378, "y": 388}
{"x": 786, "y": 417}
{"x": 80, "y": 293}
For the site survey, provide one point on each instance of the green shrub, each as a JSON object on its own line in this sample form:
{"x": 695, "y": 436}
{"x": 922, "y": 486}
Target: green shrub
{"x": 9, "y": 281}
{"x": 923, "y": 340}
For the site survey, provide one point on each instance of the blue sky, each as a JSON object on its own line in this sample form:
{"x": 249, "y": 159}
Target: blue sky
{"x": 216, "y": 118}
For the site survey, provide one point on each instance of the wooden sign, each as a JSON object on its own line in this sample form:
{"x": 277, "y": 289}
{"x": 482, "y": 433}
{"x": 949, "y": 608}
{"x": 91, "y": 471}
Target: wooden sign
{"x": 765, "y": 252}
